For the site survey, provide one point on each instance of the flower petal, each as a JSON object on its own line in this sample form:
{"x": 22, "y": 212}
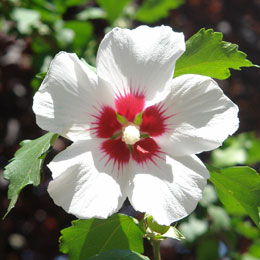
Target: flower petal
{"x": 65, "y": 101}
{"x": 116, "y": 152}
{"x": 141, "y": 60}
{"x": 146, "y": 151}
{"x": 83, "y": 185}
{"x": 169, "y": 191}
{"x": 200, "y": 116}
{"x": 106, "y": 123}
{"x": 154, "y": 120}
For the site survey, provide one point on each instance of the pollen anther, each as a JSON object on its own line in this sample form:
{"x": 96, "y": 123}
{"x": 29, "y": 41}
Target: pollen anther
{"x": 131, "y": 134}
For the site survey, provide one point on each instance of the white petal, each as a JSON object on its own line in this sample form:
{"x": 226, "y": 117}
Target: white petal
{"x": 141, "y": 59}
{"x": 65, "y": 101}
{"x": 202, "y": 116}
{"x": 169, "y": 191}
{"x": 83, "y": 185}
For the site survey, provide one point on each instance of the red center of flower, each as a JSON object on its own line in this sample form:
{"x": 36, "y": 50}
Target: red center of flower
{"x": 111, "y": 124}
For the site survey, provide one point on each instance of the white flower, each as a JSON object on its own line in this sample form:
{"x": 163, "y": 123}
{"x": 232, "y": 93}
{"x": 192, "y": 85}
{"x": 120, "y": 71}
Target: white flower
{"x": 135, "y": 130}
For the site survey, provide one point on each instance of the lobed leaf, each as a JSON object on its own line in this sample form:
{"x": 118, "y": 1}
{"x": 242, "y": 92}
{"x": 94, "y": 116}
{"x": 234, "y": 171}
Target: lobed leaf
{"x": 206, "y": 54}
{"x": 25, "y": 167}
{"x": 239, "y": 190}
{"x": 89, "y": 237}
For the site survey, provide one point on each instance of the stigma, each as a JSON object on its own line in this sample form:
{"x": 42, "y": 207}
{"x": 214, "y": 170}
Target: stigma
{"x": 131, "y": 134}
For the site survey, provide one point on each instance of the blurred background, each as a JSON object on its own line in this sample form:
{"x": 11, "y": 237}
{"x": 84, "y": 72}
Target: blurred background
{"x": 33, "y": 31}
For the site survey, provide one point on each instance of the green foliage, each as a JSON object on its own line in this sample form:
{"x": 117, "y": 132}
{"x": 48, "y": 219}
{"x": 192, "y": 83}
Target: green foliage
{"x": 241, "y": 149}
{"x": 52, "y": 26}
{"x": 193, "y": 228}
{"x": 26, "y": 19}
{"x": 206, "y": 54}
{"x": 154, "y": 226}
{"x": 113, "y": 8}
{"x": 219, "y": 217}
{"x": 119, "y": 254}
{"x": 239, "y": 190}
{"x": 82, "y": 32}
{"x": 25, "y": 167}
{"x": 41, "y": 75}
{"x": 153, "y": 10}
{"x": 74, "y": 2}
{"x": 208, "y": 250}
{"x": 154, "y": 231}
{"x": 86, "y": 238}
{"x": 209, "y": 196}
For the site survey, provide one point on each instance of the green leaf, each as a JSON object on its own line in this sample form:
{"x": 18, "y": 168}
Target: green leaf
{"x": 119, "y": 254}
{"x": 246, "y": 228}
{"x": 174, "y": 233}
{"x": 25, "y": 167}
{"x": 86, "y": 238}
{"x": 154, "y": 226}
{"x": 153, "y": 10}
{"x": 238, "y": 189}
{"x": 206, "y": 54}
{"x": 41, "y": 75}
{"x": 159, "y": 232}
{"x": 113, "y": 8}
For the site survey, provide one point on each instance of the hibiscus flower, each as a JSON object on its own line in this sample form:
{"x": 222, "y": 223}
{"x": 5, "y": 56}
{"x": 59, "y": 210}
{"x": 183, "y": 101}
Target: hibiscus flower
{"x": 135, "y": 129}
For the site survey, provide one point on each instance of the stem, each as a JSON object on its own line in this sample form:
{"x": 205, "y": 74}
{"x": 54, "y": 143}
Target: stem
{"x": 156, "y": 249}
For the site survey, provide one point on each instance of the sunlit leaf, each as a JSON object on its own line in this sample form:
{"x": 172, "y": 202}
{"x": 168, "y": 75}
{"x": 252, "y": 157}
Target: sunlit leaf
{"x": 86, "y": 238}
{"x": 153, "y": 10}
{"x": 206, "y": 54}
{"x": 41, "y": 75}
{"x": 119, "y": 254}
{"x": 174, "y": 233}
{"x": 238, "y": 189}
{"x": 25, "y": 167}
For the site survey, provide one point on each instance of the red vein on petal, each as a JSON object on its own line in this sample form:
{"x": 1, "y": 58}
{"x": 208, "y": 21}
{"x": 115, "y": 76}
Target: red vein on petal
{"x": 146, "y": 150}
{"x": 106, "y": 123}
{"x": 154, "y": 120}
{"x": 115, "y": 150}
